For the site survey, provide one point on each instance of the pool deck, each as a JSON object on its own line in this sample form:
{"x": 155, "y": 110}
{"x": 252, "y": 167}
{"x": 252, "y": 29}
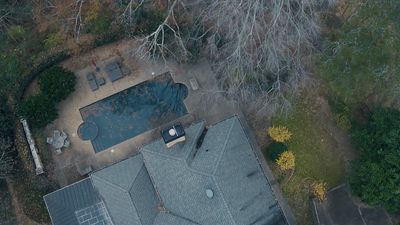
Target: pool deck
{"x": 206, "y": 104}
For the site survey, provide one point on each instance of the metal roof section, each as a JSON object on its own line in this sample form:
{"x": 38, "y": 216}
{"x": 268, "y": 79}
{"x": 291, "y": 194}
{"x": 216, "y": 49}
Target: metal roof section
{"x": 96, "y": 214}
{"x": 77, "y": 204}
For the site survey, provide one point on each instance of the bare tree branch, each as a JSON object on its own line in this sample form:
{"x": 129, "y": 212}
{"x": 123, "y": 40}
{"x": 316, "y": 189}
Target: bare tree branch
{"x": 131, "y": 8}
{"x": 258, "y": 48}
{"x": 6, "y": 161}
{"x": 78, "y": 19}
{"x": 154, "y": 45}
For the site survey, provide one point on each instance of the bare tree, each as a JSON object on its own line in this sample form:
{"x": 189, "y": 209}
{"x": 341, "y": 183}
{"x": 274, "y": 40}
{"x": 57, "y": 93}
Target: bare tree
{"x": 130, "y": 10}
{"x": 155, "y": 44}
{"x": 258, "y": 47}
{"x": 67, "y": 15}
{"x": 6, "y": 161}
{"x": 262, "y": 47}
{"x": 78, "y": 19}
{"x": 4, "y": 20}
{"x": 10, "y": 14}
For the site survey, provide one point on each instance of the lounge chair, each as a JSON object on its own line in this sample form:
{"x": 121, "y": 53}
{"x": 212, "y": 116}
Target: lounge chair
{"x": 49, "y": 140}
{"x": 58, "y": 151}
{"x": 91, "y": 78}
{"x": 101, "y": 81}
{"x": 114, "y": 71}
{"x": 194, "y": 84}
{"x": 67, "y": 143}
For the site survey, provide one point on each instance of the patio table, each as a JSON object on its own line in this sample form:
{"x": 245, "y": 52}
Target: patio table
{"x": 59, "y": 139}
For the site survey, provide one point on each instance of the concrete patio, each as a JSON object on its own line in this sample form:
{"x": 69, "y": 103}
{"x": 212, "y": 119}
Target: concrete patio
{"x": 341, "y": 208}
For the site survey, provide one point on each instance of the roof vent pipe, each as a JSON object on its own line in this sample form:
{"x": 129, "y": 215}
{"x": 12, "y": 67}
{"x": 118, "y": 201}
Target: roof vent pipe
{"x": 209, "y": 193}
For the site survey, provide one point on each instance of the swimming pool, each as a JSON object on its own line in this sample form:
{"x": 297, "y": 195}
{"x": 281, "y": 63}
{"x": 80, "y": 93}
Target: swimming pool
{"x": 133, "y": 111}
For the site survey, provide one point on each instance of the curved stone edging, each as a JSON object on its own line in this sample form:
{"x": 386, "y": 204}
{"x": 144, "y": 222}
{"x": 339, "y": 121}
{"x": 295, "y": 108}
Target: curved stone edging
{"x": 47, "y": 63}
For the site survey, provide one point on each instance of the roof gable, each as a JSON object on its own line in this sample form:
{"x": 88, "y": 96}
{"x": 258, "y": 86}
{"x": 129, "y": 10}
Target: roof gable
{"x": 243, "y": 184}
{"x": 183, "y": 191}
{"x": 128, "y": 192}
{"x": 121, "y": 174}
{"x": 226, "y": 164}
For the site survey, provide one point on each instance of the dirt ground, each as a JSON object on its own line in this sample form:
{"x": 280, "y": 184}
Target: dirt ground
{"x": 22, "y": 219}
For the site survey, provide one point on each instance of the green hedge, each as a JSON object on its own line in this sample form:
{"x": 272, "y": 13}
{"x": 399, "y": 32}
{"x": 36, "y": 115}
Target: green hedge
{"x": 38, "y": 110}
{"x": 6, "y": 120}
{"x": 44, "y": 63}
{"x": 275, "y": 149}
{"x": 57, "y": 83}
{"x": 375, "y": 178}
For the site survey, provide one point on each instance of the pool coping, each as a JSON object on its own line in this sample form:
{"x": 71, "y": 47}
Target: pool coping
{"x": 167, "y": 73}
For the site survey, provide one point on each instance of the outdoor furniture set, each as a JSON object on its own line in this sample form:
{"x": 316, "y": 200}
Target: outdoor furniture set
{"x": 58, "y": 141}
{"x": 114, "y": 72}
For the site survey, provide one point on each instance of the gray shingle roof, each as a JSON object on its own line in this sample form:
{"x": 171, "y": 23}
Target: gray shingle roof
{"x": 128, "y": 192}
{"x": 226, "y": 164}
{"x": 165, "y": 218}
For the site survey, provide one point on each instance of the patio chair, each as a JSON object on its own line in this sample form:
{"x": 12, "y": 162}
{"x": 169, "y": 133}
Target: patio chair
{"x": 49, "y": 140}
{"x": 91, "y": 78}
{"x": 93, "y": 85}
{"x": 125, "y": 71}
{"x": 67, "y": 143}
{"x": 56, "y": 133}
{"x": 194, "y": 84}
{"x": 101, "y": 81}
{"x": 114, "y": 71}
{"x": 63, "y": 134}
{"x": 58, "y": 151}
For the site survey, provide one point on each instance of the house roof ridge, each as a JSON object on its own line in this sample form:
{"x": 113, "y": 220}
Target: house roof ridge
{"x": 193, "y": 144}
{"x": 160, "y": 154}
{"x": 131, "y": 200}
{"x": 133, "y": 180}
{"x": 126, "y": 192}
{"x": 152, "y": 182}
{"x": 223, "y": 199}
{"x": 223, "y": 148}
{"x": 107, "y": 182}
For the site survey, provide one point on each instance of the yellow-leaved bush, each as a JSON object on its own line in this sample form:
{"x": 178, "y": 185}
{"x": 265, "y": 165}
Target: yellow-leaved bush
{"x": 279, "y": 133}
{"x": 318, "y": 189}
{"x": 286, "y": 161}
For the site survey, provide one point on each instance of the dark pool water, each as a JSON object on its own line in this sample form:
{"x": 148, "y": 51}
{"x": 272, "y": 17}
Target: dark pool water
{"x": 135, "y": 110}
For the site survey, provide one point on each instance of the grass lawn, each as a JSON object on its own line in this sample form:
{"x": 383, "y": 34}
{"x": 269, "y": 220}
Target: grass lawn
{"x": 316, "y": 157}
